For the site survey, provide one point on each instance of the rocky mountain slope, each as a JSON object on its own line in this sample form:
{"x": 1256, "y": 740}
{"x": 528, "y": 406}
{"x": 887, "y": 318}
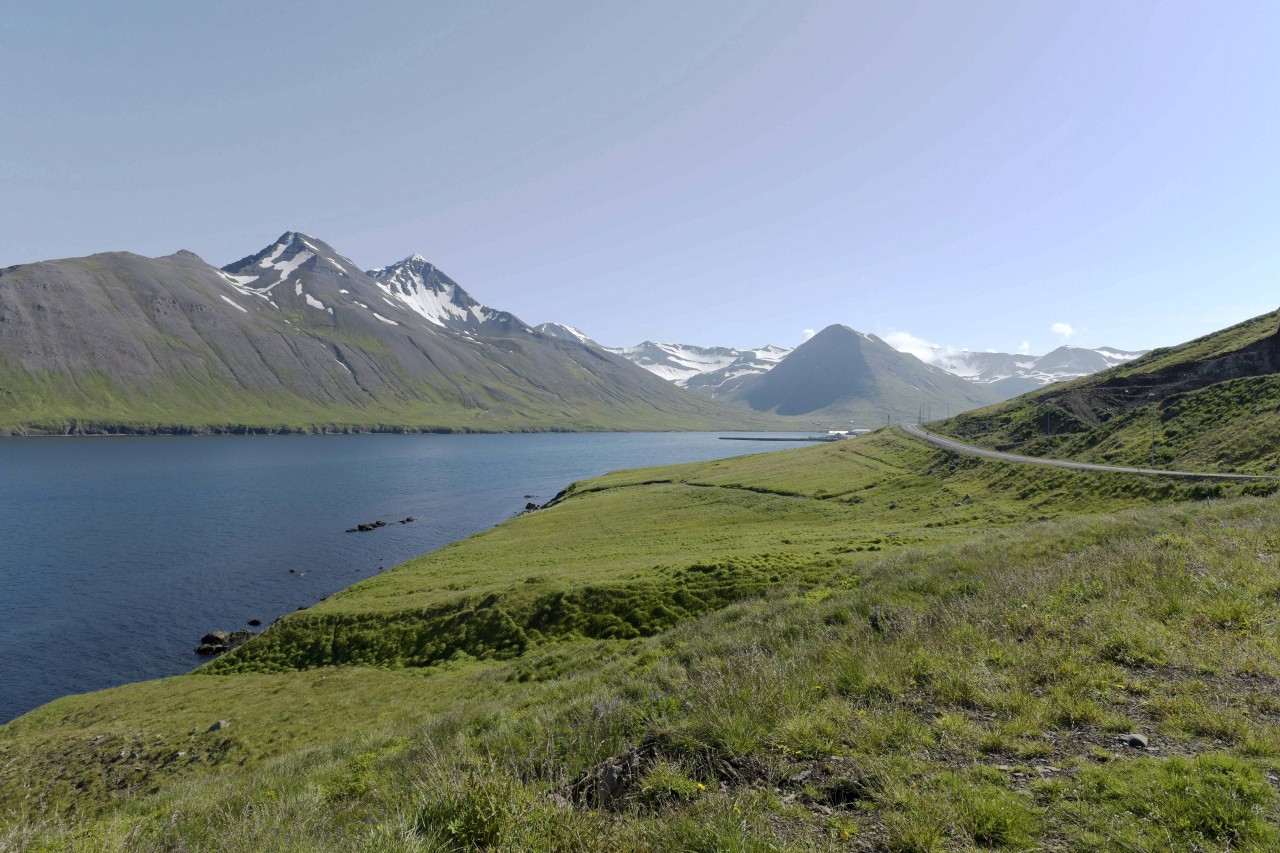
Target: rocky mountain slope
{"x": 297, "y": 337}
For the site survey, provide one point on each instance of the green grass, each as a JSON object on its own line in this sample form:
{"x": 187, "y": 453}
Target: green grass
{"x": 819, "y": 649}
{"x": 633, "y": 554}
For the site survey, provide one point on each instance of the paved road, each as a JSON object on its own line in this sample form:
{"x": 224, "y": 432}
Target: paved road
{"x": 961, "y": 447}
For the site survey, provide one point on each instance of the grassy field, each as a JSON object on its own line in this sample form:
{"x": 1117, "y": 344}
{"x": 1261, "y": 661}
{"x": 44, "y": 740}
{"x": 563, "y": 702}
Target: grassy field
{"x": 864, "y": 645}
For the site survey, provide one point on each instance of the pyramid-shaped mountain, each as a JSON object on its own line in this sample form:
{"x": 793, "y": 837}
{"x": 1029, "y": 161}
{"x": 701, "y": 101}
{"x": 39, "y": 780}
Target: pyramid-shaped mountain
{"x": 844, "y": 374}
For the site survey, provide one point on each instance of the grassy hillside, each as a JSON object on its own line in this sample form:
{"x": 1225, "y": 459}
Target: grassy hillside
{"x": 91, "y": 402}
{"x": 870, "y": 644}
{"x": 1212, "y": 404}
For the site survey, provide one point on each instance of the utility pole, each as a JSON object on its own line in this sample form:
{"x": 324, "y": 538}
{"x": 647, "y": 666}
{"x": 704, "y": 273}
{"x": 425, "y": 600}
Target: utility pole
{"x": 1152, "y": 397}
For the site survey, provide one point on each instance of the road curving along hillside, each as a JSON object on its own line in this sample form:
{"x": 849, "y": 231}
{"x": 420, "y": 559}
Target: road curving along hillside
{"x": 960, "y": 447}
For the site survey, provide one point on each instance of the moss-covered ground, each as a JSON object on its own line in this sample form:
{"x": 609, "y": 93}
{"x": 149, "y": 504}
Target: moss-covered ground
{"x": 864, "y": 645}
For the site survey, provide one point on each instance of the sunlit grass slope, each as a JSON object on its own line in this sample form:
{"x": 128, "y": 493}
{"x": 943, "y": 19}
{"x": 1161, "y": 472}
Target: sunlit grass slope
{"x": 635, "y": 553}
{"x": 867, "y": 645}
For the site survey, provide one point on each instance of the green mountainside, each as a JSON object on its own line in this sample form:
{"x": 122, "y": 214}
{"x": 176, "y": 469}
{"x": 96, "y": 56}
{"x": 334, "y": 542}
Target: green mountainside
{"x": 298, "y": 338}
{"x": 1212, "y": 404}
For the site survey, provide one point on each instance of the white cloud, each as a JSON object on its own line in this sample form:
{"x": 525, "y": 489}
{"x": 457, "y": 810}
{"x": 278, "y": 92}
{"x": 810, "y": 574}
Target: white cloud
{"x": 808, "y": 333}
{"x": 926, "y": 351}
{"x": 1024, "y": 348}
{"x": 1063, "y": 329}
{"x": 950, "y": 359}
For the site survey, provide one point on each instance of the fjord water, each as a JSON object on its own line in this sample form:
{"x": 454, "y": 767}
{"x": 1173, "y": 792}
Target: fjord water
{"x": 118, "y": 553}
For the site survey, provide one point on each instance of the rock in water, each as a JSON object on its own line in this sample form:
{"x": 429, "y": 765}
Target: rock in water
{"x": 217, "y": 642}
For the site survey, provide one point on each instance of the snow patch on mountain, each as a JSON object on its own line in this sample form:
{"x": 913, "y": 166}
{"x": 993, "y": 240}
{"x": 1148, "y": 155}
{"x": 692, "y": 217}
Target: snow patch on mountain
{"x": 1017, "y": 371}
{"x": 289, "y": 266}
{"x": 707, "y": 370}
{"x": 568, "y": 333}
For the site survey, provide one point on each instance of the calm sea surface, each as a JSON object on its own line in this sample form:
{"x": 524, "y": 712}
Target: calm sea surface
{"x": 117, "y": 554}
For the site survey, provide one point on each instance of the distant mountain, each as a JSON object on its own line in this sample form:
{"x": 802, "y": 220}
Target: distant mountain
{"x": 717, "y": 371}
{"x": 1010, "y": 374}
{"x": 565, "y": 333}
{"x": 297, "y": 337}
{"x": 846, "y": 374}
{"x": 1212, "y": 404}
{"x": 710, "y": 371}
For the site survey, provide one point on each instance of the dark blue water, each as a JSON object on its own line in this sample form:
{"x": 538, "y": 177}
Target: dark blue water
{"x": 117, "y": 554}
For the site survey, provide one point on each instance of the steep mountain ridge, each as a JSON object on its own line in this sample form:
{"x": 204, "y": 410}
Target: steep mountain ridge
{"x": 297, "y": 337}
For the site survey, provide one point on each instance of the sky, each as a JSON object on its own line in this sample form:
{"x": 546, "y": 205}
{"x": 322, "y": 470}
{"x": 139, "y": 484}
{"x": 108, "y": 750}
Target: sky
{"x": 979, "y": 175}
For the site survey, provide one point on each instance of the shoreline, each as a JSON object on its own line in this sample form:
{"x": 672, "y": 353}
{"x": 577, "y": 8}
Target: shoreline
{"x": 95, "y": 429}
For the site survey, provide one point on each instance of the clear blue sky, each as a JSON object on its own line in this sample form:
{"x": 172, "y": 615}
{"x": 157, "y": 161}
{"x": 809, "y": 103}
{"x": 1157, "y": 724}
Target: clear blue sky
{"x": 716, "y": 172}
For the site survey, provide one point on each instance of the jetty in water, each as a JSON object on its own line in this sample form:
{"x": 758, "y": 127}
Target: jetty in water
{"x": 838, "y": 435}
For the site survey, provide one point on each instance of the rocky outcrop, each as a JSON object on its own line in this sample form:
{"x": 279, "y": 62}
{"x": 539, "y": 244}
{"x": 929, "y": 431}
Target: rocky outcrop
{"x": 216, "y": 642}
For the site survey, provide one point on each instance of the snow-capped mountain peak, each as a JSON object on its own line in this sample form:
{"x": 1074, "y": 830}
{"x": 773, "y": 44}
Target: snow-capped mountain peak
{"x": 425, "y": 290}
{"x": 315, "y": 276}
{"x": 568, "y": 333}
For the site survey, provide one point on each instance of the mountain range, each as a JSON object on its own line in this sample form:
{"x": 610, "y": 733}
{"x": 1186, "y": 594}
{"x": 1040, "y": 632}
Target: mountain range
{"x": 1011, "y": 374}
{"x": 711, "y": 371}
{"x": 296, "y": 336}
{"x": 838, "y": 375}
{"x": 716, "y": 371}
